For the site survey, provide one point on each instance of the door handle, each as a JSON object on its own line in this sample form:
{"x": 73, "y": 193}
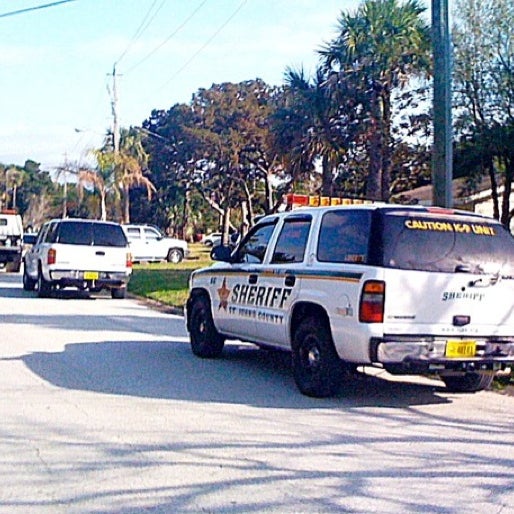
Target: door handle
{"x": 100, "y": 252}
{"x": 252, "y": 279}
{"x": 290, "y": 280}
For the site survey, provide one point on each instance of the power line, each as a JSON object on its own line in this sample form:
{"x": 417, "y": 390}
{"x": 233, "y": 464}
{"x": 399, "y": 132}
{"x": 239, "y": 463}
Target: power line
{"x": 35, "y": 8}
{"x": 206, "y": 44}
{"x": 145, "y": 23}
{"x": 168, "y": 38}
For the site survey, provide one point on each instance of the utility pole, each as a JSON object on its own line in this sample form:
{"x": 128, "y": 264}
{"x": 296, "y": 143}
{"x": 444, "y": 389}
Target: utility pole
{"x": 114, "y": 107}
{"x": 442, "y": 155}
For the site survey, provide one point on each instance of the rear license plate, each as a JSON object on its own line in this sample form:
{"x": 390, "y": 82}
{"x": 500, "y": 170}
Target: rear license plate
{"x": 459, "y": 349}
{"x": 90, "y": 275}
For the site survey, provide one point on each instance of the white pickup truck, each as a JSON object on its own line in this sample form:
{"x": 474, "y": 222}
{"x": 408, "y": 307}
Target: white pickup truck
{"x": 412, "y": 290}
{"x": 148, "y": 244}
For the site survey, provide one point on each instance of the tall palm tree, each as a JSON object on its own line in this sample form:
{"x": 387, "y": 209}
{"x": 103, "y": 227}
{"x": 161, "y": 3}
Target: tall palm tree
{"x": 384, "y": 44}
{"x": 320, "y": 135}
{"x": 130, "y": 164}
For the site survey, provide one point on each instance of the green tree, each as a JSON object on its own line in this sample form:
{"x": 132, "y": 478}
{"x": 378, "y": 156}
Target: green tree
{"x": 130, "y": 164}
{"x": 383, "y": 45}
{"x": 483, "y": 36}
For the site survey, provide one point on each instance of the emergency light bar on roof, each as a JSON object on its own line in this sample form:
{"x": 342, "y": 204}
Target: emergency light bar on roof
{"x": 294, "y": 200}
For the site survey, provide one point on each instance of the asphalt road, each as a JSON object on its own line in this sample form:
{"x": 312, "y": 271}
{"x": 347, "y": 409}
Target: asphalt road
{"x": 105, "y": 410}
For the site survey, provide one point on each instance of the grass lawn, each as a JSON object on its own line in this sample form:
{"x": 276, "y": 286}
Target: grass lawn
{"x": 165, "y": 282}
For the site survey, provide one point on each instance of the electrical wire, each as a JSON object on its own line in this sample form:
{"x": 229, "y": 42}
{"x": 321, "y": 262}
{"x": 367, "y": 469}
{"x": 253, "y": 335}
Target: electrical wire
{"x": 35, "y": 8}
{"x": 206, "y": 44}
{"x": 145, "y": 23}
{"x": 168, "y": 38}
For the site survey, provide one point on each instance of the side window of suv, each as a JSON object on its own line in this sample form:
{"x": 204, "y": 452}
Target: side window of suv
{"x": 292, "y": 241}
{"x": 49, "y": 233}
{"x": 344, "y": 237}
{"x": 254, "y": 248}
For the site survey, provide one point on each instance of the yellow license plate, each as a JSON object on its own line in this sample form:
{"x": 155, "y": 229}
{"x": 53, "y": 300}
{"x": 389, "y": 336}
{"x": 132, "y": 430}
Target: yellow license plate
{"x": 459, "y": 349}
{"x": 90, "y": 275}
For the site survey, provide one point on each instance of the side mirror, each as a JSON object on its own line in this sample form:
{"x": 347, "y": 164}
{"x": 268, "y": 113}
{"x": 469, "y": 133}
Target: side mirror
{"x": 221, "y": 253}
{"x": 29, "y": 239}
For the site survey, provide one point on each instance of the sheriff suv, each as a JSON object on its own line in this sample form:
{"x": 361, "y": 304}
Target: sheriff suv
{"x": 412, "y": 290}
{"x": 84, "y": 254}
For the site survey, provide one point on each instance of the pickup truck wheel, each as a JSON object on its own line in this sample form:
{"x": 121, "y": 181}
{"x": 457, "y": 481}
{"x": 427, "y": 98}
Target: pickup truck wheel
{"x": 118, "y": 293}
{"x": 44, "y": 288}
{"x": 29, "y": 284}
{"x": 206, "y": 341}
{"x": 468, "y": 383}
{"x": 317, "y": 369}
{"x": 175, "y": 255}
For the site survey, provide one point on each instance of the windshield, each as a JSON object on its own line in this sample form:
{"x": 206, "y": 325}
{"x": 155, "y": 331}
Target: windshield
{"x": 421, "y": 241}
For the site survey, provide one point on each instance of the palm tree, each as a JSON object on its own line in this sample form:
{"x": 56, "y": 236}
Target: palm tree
{"x": 320, "y": 133}
{"x": 99, "y": 179}
{"x": 130, "y": 164}
{"x": 14, "y": 177}
{"x": 383, "y": 44}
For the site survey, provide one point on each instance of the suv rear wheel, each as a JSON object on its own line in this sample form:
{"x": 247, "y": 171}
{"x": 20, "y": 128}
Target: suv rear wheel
{"x": 468, "y": 383}
{"x": 29, "y": 284}
{"x": 118, "y": 293}
{"x": 44, "y": 288}
{"x": 317, "y": 369}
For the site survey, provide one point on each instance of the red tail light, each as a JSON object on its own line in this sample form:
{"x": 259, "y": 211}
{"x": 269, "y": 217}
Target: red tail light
{"x": 128, "y": 262}
{"x": 51, "y": 257}
{"x": 371, "y": 308}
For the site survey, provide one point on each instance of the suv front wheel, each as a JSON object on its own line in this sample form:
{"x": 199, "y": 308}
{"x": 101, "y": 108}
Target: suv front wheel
{"x": 206, "y": 341}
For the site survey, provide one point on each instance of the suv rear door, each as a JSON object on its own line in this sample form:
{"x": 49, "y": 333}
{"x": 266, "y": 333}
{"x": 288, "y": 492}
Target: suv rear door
{"x": 447, "y": 275}
{"x": 103, "y": 246}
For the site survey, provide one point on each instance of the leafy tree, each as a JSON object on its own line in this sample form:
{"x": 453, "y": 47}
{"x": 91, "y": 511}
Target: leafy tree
{"x": 382, "y": 46}
{"x": 484, "y": 96}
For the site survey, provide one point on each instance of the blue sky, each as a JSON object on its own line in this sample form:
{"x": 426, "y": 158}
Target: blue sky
{"x": 55, "y": 62}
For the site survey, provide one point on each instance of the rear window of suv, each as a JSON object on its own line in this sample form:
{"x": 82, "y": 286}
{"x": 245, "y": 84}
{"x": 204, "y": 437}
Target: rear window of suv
{"x": 90, "y": 234}
{"x": 422, "y": 241}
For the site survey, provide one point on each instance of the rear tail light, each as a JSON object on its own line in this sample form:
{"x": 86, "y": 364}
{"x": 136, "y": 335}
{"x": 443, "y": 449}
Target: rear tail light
{"x": 371, "y": 308}
{"x": 128, "y": 262}
{"x": 51, "y": 257}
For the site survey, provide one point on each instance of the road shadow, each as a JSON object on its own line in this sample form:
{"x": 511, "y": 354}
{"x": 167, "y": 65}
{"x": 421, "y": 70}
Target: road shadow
{"x": 244, "y": 375}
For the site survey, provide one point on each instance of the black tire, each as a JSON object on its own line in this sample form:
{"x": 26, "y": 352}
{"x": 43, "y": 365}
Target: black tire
{"x": 317, "y": 369}
{"x": 118, "y": 293}
{"x": 175, "y": 255}
{"x": 29, "y": 284}
{"x": 468, "y": 383}
{"x": 206, "y": 341}
{"x": 44, "y": 288}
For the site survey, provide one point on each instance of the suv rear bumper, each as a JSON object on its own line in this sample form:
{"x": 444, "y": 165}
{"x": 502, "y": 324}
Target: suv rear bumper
{"x": 88, "y": 279}
{"x": 429, "y": 355}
